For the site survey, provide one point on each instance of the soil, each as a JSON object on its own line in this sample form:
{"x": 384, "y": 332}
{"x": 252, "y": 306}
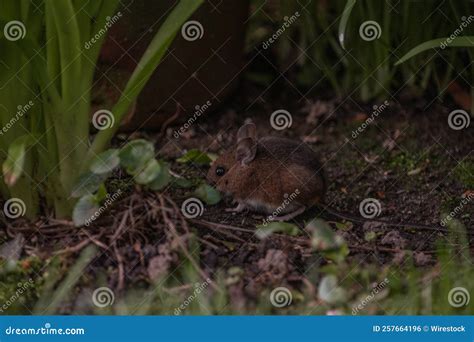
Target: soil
{"x": 408, "y": 158}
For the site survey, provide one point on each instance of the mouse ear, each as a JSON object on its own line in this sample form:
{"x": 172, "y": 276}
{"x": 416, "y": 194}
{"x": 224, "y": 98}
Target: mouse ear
{"x": 246, "y": 150}
{"x": 249, "y": 130}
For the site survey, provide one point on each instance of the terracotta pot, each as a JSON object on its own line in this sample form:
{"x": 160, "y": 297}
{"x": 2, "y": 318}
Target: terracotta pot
{"x": 193, "y": 72}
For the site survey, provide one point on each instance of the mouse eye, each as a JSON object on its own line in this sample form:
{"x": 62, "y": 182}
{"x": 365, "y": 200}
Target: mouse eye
{"x": 220, "y": 171}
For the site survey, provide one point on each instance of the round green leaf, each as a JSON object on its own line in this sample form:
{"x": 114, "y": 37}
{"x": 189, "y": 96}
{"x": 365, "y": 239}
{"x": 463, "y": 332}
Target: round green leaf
{"x": 162, "y": 179}
{"x": 150, "y": 171}
{"x": 329, "y": 292}
{"x": 182, "y": 182}
{"x": 208, "y": 194}
{"x": 105, "y": 162}
{"x": 135, "y": 155}
{"x": 87, "y": 184}
{"x": 84, "y": 210}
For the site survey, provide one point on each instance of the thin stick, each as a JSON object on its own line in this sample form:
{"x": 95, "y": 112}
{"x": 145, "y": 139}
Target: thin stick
{"x": 181, "y": 244}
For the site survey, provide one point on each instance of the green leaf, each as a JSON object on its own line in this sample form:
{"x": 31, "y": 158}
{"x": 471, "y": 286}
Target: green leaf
{"x": 338, "y": 255}
{"x": 87, "y": 184}
{"x": 369, "y": 236}
{"x": 150, "y": 171}
{"x": 326, "y": 241}
{"x": 182, "y": 182}
{"x": 135, "y": 155}
{"x": 101, "y": 193}
{"x": 195, "y": 156}
{"x": 208, "y": 194}
{"x": 347, "y": 225}
{"x": 69, "y": 45}
{"x": 105, "y": 162}
{"x": 344, "y": 20}
{"x": 464, "y": 41}
{"x": 323, "y": 237}
{"x": 162, "y": 179}
{"x": 84, "y": 211}
{"x": 265, "y": 230}
{"x": 13, "y": 166}
{"x": 329, "y": 292}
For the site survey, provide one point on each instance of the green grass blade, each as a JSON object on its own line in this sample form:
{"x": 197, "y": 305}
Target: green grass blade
{"x": 66, "y": 287}
{"x": 148, "y": 63}
{"x": 344, "y": 20}
{"x": 69, "y": 47}
{"x": 466, "y": 41}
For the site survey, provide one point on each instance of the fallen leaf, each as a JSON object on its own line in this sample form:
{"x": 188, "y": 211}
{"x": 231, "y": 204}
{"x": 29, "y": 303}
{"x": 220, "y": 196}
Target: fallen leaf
{"x": 390, "y": 142}
{"x": 359, "y": 117}
{"x": 316, "y": 110}
{"x": 421, "y": 259}
{"x": 460, "y": 95}
{"x": 414, "y": 171}
{"x": 371, "y": 159}
{"x": 394, "y": 239}
{"x": 11, "y": 250}
{"x": 311, "y": 139}
{"x": 25, "y": 264}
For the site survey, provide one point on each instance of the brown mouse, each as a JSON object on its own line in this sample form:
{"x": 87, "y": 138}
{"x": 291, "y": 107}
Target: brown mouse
{"x": 269, "y": 175}
{"x": 277, "y": 176}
